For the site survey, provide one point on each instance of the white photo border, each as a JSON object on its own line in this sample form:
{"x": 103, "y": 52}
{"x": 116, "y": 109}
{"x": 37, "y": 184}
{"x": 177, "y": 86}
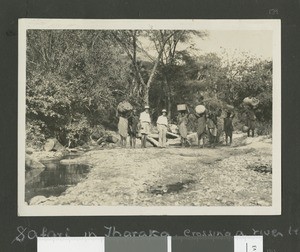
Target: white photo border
{"x": 188, "y": 24}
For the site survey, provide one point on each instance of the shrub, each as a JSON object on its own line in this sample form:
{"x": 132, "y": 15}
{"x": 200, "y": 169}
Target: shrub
{"x": 34, "y": 136}
{"x": 264, "y": 128}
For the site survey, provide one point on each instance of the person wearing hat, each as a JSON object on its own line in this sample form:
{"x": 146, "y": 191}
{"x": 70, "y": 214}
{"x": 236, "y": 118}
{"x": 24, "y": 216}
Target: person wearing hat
{"x": 162, "y": 126}
{"x": 145, "y": 121}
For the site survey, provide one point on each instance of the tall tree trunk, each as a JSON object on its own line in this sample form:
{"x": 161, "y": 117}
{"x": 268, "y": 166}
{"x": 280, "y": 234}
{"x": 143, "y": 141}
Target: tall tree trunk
{"x": 169, "y": 97}
{"x": 146, "y": 95}
{"x": 150, "y": 80}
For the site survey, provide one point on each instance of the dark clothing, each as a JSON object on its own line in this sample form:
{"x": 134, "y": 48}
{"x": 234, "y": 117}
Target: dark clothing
{"x": 250, "y": 119}
{"x": 133, "y": 122}
{"x": 201, "y": 125}
{"x": 228, "y": 127}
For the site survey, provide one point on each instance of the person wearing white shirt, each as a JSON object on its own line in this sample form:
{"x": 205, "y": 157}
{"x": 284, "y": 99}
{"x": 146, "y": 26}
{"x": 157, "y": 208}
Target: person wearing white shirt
{"x": 145, "y": 121}
{"x": 162, "y": 126}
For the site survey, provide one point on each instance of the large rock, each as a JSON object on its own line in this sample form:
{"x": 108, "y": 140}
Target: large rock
{"x": 193, "y": 138}
{"x": 37, "y": 200}
{"x": 52, "y": 144}
{"x": 31, "y": 163}
{"x": 68, "y": 161}
{"x": 29, "y": 150}
{"x": 174, "y": 128}
{"x": 112, "y": 137}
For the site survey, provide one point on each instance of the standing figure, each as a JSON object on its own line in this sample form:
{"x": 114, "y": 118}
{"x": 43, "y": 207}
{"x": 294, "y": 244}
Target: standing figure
{"x": 228, "y": 127}
{"x": 212, "y": 129}
{"x": 162, "y": 126}
{"x": 182, "y": 126}
{"x": 123, "y": 129}
{"x": 250, "y": 121}
{"x": 145, "y": 125}
{"x": 133, "y": 122}
{"x": 201, "y": 128}
{"x": 219, "y": 124}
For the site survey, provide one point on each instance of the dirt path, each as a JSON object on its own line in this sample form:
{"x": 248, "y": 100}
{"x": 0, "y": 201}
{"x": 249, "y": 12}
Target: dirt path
{"x": 225, "y": 176}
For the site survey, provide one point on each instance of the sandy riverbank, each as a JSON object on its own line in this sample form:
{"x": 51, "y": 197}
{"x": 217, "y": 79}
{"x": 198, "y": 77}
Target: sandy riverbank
{"x": 239, "y": 175}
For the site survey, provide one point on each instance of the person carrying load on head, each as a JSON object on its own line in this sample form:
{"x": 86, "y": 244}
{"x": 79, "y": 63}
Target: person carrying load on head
{"x": 251, "y": 104}
{"x": 123, "y": 129}
{"x": 162, "y": 126}
{"x": 212, "y": 128}
{"x": 145, "y": 121}
{"x": 123, "y": 110}
{"x": 201, "y": 124}
{"x": 182, "y": 120}
{"x": 250, "y": 121}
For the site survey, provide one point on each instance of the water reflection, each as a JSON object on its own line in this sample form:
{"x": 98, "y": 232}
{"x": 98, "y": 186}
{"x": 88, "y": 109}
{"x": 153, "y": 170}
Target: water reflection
{"x": 54, "y": 179}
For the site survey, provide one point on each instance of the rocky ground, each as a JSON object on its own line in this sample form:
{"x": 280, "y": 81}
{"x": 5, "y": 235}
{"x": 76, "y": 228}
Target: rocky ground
{"x": 237, "y": 175}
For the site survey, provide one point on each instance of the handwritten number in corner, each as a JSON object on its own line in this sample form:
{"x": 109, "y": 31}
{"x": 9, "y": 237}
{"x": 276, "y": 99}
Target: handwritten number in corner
{"x": 273, "y": 12}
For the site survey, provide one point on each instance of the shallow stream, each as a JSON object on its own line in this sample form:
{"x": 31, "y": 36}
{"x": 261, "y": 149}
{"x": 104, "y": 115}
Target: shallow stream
{"x": 54, "y": 179}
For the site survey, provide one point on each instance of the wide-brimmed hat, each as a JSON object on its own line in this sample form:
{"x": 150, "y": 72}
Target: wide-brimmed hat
{"x": 147, "y": 107}
{"x": 164, "y": 110}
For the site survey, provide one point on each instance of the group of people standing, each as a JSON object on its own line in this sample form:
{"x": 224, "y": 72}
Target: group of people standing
{"x": 210, "y": 126}
{"x": 134, "y": 124}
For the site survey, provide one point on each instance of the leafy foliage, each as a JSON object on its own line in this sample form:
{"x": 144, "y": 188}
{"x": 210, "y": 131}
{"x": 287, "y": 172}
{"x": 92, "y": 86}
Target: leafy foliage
{"x": 76, "y": 78}
{"x": 73, "y": 76}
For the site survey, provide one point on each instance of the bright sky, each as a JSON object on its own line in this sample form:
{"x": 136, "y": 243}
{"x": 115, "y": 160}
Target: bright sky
{"x": 257, "y": 43}
{"x": 234, "y": 43}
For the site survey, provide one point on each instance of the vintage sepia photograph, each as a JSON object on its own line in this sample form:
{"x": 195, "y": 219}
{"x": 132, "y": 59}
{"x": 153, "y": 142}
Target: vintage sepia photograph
{"x": 149, "y": 117}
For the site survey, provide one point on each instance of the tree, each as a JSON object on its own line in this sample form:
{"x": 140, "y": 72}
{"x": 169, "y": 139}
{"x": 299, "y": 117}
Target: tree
{"x": 249, "y": 76}
{"x": 172, "y": 61}
{"x": 74, "y": 80}
{"x": 161, "y": 39}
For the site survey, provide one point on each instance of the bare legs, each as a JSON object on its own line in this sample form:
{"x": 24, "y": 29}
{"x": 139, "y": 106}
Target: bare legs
{"x": 132, "y": 141}
{"x": 226, "y": 138}
{"x": 199, "y": 140}
{"x": 252, "y": 131}
{"x": 183, "y": 142}
{"x": 123, "y": 142}
{"x": 144, "y": 140}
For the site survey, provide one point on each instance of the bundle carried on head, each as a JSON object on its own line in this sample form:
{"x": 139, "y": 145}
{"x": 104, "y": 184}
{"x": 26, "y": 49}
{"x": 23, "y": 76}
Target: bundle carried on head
{"x": 251, "y": 101}
{"x": 200, "y": 109}
{"x": 124, "y": 107}
{"x": 181, "y": 107}
{"x": 213, "y": 104}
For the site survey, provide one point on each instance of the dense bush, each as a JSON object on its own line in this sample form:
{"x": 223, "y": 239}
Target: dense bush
{"x": 34, "y": 136}
{"x": 74, "y": 81}
{"x": 76, "y": 78}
